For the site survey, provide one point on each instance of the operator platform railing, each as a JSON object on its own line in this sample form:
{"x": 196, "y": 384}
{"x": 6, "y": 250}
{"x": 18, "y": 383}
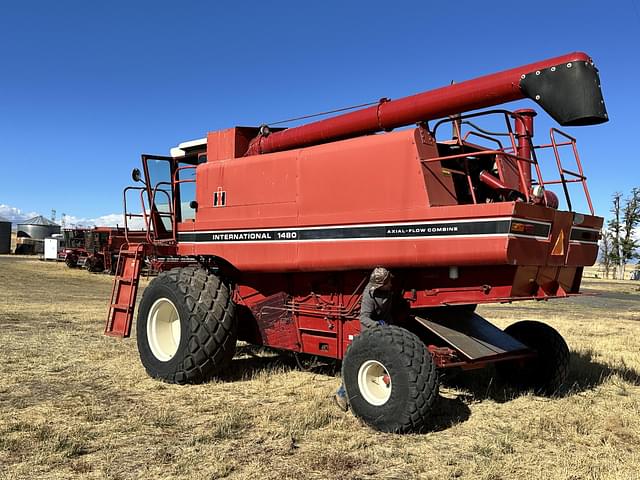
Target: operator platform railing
{"x": 566, "y": 176}
{"x": 143, "y": 214}
{"x": 578, "y": 177}
{"x": 148, "y": 212}
{"x": 170, "y": 214}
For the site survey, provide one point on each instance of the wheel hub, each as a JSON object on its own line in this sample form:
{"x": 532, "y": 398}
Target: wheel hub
{"x": 374, "y": 382}
{"x": 163, "y": 329}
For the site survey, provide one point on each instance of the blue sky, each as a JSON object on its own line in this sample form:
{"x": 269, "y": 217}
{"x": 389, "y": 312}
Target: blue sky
{"x": 86, "y": 87}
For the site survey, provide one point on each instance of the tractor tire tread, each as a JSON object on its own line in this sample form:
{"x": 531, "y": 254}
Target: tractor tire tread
{"x": 212, "y": 330}
{"x": 420, "y": 367}
{"x": 547, "y": 373}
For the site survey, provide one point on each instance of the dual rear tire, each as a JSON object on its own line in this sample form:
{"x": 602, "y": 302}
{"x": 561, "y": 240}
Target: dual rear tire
{"x": 545, "y": 373}
{"x": 186, "y": 328}
{"x": 392, "y": 382}
{"x": 391, "y": 379}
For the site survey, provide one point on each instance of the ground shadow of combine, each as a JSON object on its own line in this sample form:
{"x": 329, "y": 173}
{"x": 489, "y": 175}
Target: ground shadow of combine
{"x": 251, "y": 361}
{"x": 585, "y": 373}
{"x": 447, "y": 412}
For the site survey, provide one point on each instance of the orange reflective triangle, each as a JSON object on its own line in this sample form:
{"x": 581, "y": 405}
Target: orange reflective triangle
{"x": 558, "y": 248}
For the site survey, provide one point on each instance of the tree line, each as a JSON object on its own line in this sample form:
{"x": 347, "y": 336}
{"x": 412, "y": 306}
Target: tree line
{"x": 619, "y": 243}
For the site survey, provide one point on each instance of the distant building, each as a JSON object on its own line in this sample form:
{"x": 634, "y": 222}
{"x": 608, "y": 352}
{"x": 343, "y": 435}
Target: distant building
{"x": 5, "y": 236}
{"x": 32, "y": 232}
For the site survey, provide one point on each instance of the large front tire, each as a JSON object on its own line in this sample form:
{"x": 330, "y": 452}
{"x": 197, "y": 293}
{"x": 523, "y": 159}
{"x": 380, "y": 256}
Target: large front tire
{"x": 391, "y": 379}
{"x": 545, "y": 373}
{"x": 186, "y": 327}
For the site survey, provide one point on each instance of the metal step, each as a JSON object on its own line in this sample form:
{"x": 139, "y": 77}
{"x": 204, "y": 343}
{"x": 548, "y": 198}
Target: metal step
{"x": 471, "y": 335}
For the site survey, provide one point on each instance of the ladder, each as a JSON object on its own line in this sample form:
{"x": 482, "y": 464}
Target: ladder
{"x": 125, "y": 289}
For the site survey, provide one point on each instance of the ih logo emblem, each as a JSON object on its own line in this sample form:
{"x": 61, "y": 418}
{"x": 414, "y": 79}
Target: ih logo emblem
{"x": 558, "y": 248}
{"x": 220, "y": 198}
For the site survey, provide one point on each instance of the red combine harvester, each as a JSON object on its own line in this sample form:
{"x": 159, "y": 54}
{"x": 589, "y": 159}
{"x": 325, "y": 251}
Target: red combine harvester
{"x": 96, "y": 248}
{"x": 286, "y": 224}
{"x": 103, "y": 245}
{"x": 73, "y": 254}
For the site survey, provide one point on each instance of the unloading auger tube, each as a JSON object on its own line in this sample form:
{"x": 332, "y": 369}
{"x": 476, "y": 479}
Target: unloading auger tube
{"x": 566, "y": 87}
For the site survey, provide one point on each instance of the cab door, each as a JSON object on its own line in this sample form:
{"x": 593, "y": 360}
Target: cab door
{"x": 159, "y": 172}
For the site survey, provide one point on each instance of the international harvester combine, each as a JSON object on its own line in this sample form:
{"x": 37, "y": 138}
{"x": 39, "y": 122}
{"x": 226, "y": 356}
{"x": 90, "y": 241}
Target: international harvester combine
{"x": 283, "y": 227}
{"x": 96, "y": 248}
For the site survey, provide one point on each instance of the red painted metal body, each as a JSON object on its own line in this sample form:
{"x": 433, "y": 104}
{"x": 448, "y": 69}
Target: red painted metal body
{"x": 299, "y": 217}
{"x": 300, "y": 190}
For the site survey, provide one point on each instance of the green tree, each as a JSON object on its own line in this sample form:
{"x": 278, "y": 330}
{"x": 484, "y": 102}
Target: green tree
{"x": 615, "y": 227}
{"x": 630, "y": 221}
{"x": 622, "y": 245}
{"x": 605, "y": 252}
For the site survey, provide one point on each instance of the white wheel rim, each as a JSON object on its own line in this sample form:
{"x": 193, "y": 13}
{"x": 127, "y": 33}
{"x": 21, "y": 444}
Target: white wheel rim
{"x": 374, "y": 382}
{"x": 163, "y": 329}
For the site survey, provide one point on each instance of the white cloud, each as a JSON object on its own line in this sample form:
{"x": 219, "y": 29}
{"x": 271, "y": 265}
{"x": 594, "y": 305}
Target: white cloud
{"x": 16, "y": 215}
{"x": 108, "y": 220}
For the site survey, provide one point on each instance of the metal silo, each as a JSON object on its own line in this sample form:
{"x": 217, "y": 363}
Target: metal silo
{"x": 33, "y": 232}
{"x": 5, "y": 236}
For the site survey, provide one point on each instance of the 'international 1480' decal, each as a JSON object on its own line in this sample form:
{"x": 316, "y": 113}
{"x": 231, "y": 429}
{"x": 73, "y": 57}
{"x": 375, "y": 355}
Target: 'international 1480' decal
{"x": 499, "y": 226}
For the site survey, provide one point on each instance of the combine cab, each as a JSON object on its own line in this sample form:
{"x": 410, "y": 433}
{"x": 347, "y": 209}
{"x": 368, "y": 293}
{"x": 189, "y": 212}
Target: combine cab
{"x": 283, "y": 226}
{"x": 74, "y": 253}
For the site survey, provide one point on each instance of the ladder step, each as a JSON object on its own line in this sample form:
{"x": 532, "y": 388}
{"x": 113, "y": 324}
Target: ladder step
{"x": 120, "y": 306}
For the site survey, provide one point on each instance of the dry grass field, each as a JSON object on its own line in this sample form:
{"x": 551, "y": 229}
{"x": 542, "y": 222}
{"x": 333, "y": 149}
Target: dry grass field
{"x": 75, "y": 404}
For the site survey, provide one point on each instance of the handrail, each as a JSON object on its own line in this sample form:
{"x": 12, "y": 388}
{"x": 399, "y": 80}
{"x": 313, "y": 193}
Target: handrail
{"x": 477, "y": 154}
{"x": 485, "y": 136}
{"x": 566, "y": 175}
{"x": 564, "y": 134}
{"x": 170, "y": 213}
{"x": 485, "y": 153}
{"x": 506, "y": 113}
{"x": 142, "y": 215}
{"x": 171, "y": 199}
{"x": 179, "y": 169}
{"x": 561, "y": 170}
{"x": 576, "y": 156}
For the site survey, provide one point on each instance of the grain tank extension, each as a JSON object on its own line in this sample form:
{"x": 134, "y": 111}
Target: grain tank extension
{"x": 283, "y": 226}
